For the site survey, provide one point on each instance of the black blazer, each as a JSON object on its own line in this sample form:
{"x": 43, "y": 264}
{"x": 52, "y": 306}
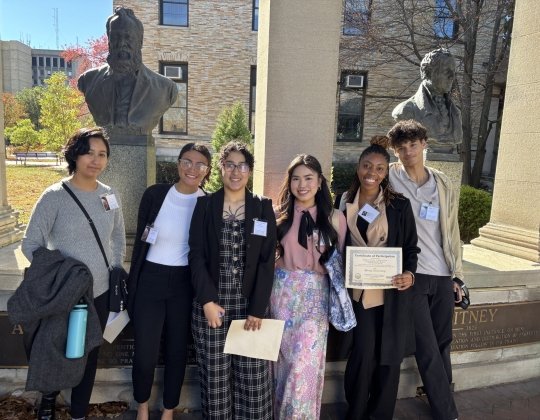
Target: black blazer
{"x": 204, "y": 239}
{"x": 151, "y": 203}
{"x": 398, "y": 330}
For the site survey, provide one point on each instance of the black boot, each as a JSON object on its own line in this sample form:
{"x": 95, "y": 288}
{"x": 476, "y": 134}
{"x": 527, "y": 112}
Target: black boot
{"x": 46, "y": 407}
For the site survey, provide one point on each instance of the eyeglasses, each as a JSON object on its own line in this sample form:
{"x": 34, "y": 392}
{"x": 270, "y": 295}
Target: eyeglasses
{"x": 242, "y": 167}
{"x": 188, "y": 164}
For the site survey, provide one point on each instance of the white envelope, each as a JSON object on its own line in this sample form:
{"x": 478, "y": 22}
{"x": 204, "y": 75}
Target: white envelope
{"x": 115, "y": 324}
{"x": 259, "y": 344}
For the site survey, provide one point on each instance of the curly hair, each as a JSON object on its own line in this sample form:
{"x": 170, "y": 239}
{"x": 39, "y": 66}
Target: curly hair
{"x": 433, "y": 59}
{"x": 404, "y": 131}
{"x": 236, "y": 146}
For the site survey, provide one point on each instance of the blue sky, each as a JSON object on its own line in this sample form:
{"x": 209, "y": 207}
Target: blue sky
{"x": 32, "y": 20}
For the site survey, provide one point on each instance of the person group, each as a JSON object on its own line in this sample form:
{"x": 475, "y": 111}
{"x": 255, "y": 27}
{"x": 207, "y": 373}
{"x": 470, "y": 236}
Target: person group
{"x": 202, "y": 260}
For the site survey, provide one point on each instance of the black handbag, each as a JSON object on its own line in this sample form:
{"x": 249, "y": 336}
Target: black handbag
{"x": 117, "y": 275}
{"x": 465, "y": 298}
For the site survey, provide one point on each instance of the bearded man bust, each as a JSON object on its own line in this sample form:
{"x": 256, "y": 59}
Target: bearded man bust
{"x": 125, "y": 94}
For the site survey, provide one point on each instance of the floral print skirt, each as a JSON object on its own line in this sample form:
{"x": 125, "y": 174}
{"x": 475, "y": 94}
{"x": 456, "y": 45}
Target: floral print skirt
{"x": 300, "y": 298}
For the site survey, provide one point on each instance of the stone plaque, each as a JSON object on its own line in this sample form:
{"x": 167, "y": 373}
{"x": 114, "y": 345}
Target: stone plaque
{"x": 117, "y": 354}
{"x": 493, "y": 326}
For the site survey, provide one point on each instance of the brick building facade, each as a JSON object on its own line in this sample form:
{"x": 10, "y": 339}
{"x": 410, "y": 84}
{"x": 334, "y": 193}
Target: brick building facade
{"x": 211, "y": 48}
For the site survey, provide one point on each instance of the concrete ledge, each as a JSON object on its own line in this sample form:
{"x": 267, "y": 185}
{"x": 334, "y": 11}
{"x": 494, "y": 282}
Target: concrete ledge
{"x": 491, "y": 276}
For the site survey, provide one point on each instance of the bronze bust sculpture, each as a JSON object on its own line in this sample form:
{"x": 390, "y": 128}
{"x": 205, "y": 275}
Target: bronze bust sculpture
{"x": 125, "y": 94}
{"x": 431, "y": 105}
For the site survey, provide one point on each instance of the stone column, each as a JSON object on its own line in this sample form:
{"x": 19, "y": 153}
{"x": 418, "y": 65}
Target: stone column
{"x": 297, "y": 75}
{"x": 9, "y": 231}
{"x": 514, "y": 226}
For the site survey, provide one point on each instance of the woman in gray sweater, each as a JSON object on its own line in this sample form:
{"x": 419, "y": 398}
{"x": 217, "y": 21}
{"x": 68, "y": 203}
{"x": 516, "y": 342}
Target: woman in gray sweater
{"x": 58, "y": 223}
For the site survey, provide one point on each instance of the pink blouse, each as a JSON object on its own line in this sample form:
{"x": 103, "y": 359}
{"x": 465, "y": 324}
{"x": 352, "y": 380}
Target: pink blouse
{"x": 296, "y": 257}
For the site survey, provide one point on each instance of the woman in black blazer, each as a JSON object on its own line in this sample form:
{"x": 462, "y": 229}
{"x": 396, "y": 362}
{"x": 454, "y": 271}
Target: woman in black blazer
{"x": 159, "y": 285}
{"x": 232, "y": 244}
{"x": 379, "y": 217}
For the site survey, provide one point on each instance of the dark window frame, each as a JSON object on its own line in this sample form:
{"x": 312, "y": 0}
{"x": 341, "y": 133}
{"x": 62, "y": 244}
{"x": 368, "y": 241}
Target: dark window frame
{"x": 252, "y": 98}
{"x": 361, "y": 111}
{"x": 161, "y": 12}
{"x": 443, "y": 19}
{"x": 255, "y": 16}
{"x": 353, "y": 11}
{"x": 184, "y": 79}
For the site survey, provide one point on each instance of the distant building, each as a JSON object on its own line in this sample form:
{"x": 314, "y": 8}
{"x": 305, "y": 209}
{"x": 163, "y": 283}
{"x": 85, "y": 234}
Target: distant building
{"x": 25, "y": 67}
{"x": 16, "y": 66}
{"x": 47, "y": 62}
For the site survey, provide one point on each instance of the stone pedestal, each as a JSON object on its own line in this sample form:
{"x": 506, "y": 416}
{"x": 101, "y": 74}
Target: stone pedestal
{"x": 297, "y": 75}
{"x": 449, "y": 164}
{"x": 132, "y": 167}
{"x": 514, "y": 226}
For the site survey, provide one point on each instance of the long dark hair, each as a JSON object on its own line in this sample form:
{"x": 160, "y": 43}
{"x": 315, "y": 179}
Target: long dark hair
{"x": 323, "y": 201}
{"x": 378, "y": 144}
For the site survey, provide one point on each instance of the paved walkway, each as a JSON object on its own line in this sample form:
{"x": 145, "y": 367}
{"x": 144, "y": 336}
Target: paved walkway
{"x": 515, "y": 401}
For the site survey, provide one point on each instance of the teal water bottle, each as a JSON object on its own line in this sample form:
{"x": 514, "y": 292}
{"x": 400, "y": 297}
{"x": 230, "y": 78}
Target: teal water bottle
{"x": 77, "y": 330}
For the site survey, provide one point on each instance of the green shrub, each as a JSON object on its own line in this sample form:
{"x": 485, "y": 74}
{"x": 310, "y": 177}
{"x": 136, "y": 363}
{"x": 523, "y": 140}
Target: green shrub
{"x": 232, "y": 124}
{"x": 342, "y": 175}
{"x": 474, "y": 211}
{"x": 166, "y": 172}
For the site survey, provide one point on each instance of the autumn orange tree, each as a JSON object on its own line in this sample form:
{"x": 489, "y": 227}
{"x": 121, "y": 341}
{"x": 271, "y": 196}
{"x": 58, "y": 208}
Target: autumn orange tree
{"x": 92, "y": 54}
{"x": 13, "y": 109}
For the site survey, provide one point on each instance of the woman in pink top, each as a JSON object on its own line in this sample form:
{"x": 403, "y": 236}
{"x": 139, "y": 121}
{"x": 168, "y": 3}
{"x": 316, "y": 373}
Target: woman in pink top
{"x": 306, "y": 237}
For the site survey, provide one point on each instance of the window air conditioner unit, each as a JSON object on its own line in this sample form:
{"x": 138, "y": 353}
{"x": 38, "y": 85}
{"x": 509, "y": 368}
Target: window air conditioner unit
{"x": 174, "y": 72}
{"x": 354, "y": 81}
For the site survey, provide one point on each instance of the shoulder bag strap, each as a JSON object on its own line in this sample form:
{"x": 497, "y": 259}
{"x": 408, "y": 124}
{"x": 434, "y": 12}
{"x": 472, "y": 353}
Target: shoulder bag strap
{"x": 90, "y": 221}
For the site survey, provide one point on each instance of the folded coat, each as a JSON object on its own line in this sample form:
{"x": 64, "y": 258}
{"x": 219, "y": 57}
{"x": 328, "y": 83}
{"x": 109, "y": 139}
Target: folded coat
{"x": 52, "y": 285}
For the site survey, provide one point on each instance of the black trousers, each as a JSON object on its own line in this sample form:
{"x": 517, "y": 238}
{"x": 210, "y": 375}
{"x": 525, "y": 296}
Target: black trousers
{"x": 370, "y": 388}
{"x": 80, "y": 395}
{"x": 162, "y": 306}
{"x": 433, "y": 304}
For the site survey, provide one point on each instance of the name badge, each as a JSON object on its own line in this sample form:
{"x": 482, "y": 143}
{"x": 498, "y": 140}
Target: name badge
{"x": 109, "y": 202}
{"x": 429, "y": 212}
{"x": 259, "y": 227}
{"x": 368, "y": 213}
{"x": 149, "y": 234}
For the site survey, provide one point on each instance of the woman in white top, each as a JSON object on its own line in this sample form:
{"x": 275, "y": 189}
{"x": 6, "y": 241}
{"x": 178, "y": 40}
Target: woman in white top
{"x": 160, "y": 291}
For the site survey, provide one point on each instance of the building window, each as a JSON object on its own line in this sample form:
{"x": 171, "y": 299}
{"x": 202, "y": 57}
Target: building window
{"x": 34, "y": 61}
{"x": 255, "y": 17}
{"x": 352, "y": 95}
{"x": 175, "y": 119}
{"x": 62, "y": 62}
{"x": 174, "y": 12}
{"x": 40, "y": 60}
{"x": 356, "y": 17}
{"x": 252, "y": 98}
{"x": 445, "y": 25}
{"x": 48, "y": 61}
{"x": 55, "y": 61}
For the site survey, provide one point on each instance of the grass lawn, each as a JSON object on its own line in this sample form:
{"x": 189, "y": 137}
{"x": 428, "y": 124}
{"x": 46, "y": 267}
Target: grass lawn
{"x": 26, "y": 183}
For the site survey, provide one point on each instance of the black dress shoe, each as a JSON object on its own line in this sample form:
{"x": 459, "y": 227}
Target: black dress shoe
{"x": 47, "y": 406}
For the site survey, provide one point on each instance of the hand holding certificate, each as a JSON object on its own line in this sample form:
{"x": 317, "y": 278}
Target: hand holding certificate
{"x": 372, "y": 267}
{"x": 260, "y": 344}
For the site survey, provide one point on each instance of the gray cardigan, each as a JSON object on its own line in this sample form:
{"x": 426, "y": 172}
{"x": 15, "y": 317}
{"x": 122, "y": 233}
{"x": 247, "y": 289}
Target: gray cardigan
{"x": 52, "y": 285}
